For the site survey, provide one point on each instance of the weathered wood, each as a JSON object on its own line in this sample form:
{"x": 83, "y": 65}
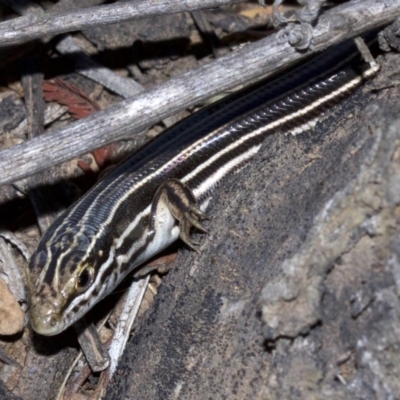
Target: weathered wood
{"x": 206, "y": 336}
{"x": 134, "y": 115}
{"x": 27, "y": 28}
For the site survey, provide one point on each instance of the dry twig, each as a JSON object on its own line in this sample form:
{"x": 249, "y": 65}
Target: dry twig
{"x": 39, "y": 25}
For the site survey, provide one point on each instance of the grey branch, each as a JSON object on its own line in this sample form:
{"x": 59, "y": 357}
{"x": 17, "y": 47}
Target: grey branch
{"x": 133, "y": 115}
{"x": 38, "y": 25}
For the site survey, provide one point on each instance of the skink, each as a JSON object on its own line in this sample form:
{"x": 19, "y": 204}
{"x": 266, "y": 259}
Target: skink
{"x": 160, "y": 192}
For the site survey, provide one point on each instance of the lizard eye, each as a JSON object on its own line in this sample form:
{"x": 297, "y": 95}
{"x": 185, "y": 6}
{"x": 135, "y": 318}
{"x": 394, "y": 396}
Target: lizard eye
{"x": 85, "y": 278}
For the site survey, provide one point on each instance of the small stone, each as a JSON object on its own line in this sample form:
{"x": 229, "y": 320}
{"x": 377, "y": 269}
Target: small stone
{"x": 12, "y": 318}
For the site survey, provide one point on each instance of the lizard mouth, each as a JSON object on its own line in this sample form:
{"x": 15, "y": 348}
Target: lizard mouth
{"x": 48, "y": 324}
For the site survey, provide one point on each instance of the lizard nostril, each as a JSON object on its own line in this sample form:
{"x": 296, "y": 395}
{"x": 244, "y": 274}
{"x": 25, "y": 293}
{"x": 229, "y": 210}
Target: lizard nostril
{"x": 53, "y": 320}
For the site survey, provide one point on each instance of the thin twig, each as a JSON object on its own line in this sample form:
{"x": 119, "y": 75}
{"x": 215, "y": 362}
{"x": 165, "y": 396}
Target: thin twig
{"x": 129, "y": 312}
{"x": 38, "y": 25}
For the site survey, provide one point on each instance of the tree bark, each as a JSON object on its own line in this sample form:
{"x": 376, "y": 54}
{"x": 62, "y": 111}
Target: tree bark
{"x": 295, "y": 294}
